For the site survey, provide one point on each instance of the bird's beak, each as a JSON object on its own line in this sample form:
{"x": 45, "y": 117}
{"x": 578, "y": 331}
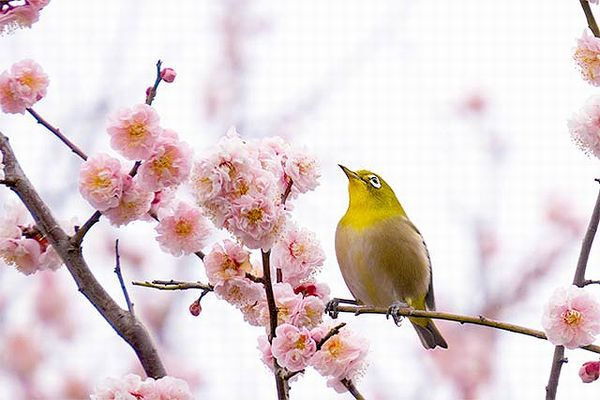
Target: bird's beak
{"x": 349, "y": 173}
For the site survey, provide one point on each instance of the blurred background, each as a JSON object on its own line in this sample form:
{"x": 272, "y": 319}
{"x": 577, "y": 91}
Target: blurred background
{"x": 461, "y": 106}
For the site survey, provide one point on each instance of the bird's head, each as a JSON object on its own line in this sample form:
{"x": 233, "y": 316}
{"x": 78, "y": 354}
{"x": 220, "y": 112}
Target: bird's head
{"x": 368, "y": 190}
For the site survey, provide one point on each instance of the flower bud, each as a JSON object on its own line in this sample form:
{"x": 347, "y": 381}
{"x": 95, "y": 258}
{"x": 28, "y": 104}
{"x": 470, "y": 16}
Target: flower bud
{"x": 589, "y": 371}
{"x": 195, "y": 308}
{"x": 168, "y": 75}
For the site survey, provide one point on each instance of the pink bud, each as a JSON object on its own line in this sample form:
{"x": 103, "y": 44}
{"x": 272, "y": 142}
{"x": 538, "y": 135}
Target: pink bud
{"x": 168, "y": 75}
{"x": 195, "y": 308}
{"x": 589, "y": 371}
{"x": 149, "y": 90}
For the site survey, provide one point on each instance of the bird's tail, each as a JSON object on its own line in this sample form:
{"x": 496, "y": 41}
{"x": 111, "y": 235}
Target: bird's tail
{"x": 428, "y": 333}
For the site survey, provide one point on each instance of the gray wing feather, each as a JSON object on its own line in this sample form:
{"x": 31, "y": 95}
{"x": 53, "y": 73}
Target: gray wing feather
{"x": 429, "y": 298}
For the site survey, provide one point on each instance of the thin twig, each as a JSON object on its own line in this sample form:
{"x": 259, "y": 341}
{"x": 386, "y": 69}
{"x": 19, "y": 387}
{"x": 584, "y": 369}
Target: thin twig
{"x": 348, "y": 384}
{"x": 58, "y": 134}
{"x": 120, "y": 276}
{"x": 152, "y": 92}
{"x": 129, "y": 328}
{"x": 591, "y": 282}
{"x": 462, "y": 319}
{"x": 589, "y": 16}
{"x": 578, "y": 280}
{"x": 173, "y": 285}
{"x": 334, "y": 331}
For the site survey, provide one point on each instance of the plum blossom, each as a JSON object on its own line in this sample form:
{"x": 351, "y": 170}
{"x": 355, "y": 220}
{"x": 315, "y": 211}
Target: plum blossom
{"x": 585, "y": 127}
{"x": 168, "y": 75}
{"x": 166, "y": 388}
{"x": 587, "y": 56}
{"x": 321, "y": 290}
{"x": 589, "y": 371}
{"x": 303, "y": 170}
{"x": 23, "y": 245}
{"x": 298, "y": 254}
{"x": 227, "y": 262}
{"x": 125, "y": 388}
{"x": 287, "y": 303}
{"x": 183, "y": 232}
{"x": 571, "y": 317}
{"x": 25, "y": 85}
{"x": 168, "y": 166}
{"x": 293, "y": 347}
{"x": 240, "y": 292}
{"x": 308, "y": 313}
{"x": 341, "y": 357}
{"x": 134, "y": 203}
{"x": 266, "y": 354}
{"x": 101, "y": 180}
{"x": 134, "y": 131}
{"x": 14, "y": 16}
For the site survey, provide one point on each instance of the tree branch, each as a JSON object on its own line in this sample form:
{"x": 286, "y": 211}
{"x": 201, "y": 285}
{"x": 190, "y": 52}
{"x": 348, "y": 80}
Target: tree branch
{"x": 578, "y": 280}
{"x": 334, "y": 331}
{"x": 174, "y": 285}
{"x": 352, "y": 389}
{"x": 122, "y": 321}
{"x": 58, "y": 134}
{"x": 589, "y": 16}
{"x": 462, "y": 319}
{"x": 120, "y": 277}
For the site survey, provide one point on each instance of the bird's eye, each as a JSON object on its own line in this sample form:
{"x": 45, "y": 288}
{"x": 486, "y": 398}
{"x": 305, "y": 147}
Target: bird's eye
{"x": 374, "y": 181}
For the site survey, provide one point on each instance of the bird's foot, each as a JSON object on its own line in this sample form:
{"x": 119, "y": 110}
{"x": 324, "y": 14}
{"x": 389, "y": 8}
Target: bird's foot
{"x": 393, "y": 311}
{"x": 331, "y": 307}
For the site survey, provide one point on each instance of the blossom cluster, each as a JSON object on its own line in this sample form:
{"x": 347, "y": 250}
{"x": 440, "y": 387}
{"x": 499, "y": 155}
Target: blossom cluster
{"x": 23, "y": 245}
{"x": 19, "y": 14}
{"x": 132, "y": 387}
{"x": 572, "y": 317}
{"x": 23, "y": 86}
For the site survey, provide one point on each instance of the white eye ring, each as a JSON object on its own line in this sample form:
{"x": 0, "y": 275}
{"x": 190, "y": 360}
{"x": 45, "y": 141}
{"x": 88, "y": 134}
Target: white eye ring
{"x": 374, "y": 181}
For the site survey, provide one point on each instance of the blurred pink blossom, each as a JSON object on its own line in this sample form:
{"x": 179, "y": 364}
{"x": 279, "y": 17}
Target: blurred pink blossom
{"x": 183, "y": 232}
{"x": 166, "y": 388}
{"x": 22, "y": 87}
{"x": 134, "y": 203}
{"x": 589, "y": 371}
{"x": 223, "y": 263}
{"x": 134, "y": 131}
{"x": 587, "y": 56}
{"x": 126, "y": 388}
{"x": 21, "y": 353}
{"x": 298, "y": 254}
{"x": 16, "y": 14}
{"x": 585, "y": 127}
{"x": 293, "y": 347}
{"x": 571, "y": 317}
{"x": 101, "y": 180}
{"x": 168, "y": 75}
{"x": 168, "y": 166}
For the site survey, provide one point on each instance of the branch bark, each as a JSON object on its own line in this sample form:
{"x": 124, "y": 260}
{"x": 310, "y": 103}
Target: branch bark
{"x": 579, "y": 280}
{"x": 122, "y": 321}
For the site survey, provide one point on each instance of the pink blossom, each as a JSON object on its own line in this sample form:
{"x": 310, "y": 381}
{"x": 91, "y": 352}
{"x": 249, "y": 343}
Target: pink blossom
{"x": 321, "y": 290}
{"x": 587, "y": 56}
{"x": 287, "y": 303}
{"x": 308, "y": 313}
{"x": 165, "y": 388}
{"x": 293, "y": 347}
{"x": 341, "y": 356}
{"x": 125, "y": 388}
{"x": 134, "y": 203}
{"x": 303, "y": 170}
{"x": 256, "y": 220}
{"x": 226, "y": 263}
{"x": 585, "y": 127}
{"x": 266, "y": 354}
{"x": 168, "y": 75}
{"x": 22, "y": 87}
{"x": 101, "y": 181}
{"x": 589, "y": 371}
{"x": 298, "y": 254}
{"x": 241, "y": 292}
{"x": 134, "y": 131}
{"x": 183, "y": 232}
{"x": 10, "y": 99}
{"x": 168, "y": 166}
{"x": 24, "y": 254}
{"x": 571, "y": 317}
{"x": 206, "y": 181}
{"x": 20, "y": 15}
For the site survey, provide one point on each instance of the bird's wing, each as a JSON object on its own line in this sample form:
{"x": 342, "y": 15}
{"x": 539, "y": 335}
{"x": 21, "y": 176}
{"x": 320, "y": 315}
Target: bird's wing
{"x": 429, "y": 298}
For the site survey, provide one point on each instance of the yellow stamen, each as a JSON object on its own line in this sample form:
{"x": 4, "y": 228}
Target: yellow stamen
{"x": 572, "y": 317}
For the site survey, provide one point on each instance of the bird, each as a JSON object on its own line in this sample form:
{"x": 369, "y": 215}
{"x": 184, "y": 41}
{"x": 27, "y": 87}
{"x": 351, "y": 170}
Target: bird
{"x": 382, "y": 255}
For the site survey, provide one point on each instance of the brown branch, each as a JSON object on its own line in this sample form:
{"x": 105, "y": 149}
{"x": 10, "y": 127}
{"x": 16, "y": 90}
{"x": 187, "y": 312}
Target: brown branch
{"x": 352, "y": 389}
{"x": 58, "y": 134}
{"x": 589, "y": 16}
{"x": 462, "y": 319}
{"x": 591, "y": 282}
{"x": 334, "y": 331}
{"x": 578, "y": 280}
{"x": 174, "y": 285}
{"x": 125, "y": 324}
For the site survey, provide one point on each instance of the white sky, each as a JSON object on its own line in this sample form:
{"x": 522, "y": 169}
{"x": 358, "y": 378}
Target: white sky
{"x": 378, "y": 83}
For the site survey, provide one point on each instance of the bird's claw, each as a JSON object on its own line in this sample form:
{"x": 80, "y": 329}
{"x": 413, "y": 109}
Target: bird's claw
{"x": 332, "y": 305}
{"x": 393, "y": 312}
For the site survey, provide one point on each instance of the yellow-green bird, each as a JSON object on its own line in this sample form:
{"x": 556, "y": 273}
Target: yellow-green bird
{"x": 382, "y": 255}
